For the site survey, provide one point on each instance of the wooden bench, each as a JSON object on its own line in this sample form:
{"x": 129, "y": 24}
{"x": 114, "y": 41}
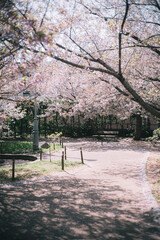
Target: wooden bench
{"x": 107, "y": 135}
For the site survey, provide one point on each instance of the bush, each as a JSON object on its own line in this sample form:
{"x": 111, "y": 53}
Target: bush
{"x": 156, "y": 136}
{"x": 16, "y": 147}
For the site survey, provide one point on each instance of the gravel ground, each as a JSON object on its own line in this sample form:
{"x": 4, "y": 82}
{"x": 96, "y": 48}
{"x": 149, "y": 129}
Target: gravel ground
{"x": 108, "y": 198}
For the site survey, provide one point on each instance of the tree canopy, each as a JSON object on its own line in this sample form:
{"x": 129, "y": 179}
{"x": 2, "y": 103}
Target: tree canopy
{"x": 120, "y": 41}
{"x": 113, "y": 42}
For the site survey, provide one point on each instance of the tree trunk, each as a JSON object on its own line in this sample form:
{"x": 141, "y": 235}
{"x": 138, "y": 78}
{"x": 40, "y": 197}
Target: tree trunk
{"x": 138, "y": 128}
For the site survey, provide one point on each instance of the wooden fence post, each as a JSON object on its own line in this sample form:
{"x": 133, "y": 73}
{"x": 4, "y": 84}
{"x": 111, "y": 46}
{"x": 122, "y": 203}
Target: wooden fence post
{"x": 63, "y": 160}
{"x": 41, "y": 154}
{"x": 13, "y": 169}
{"x": 65, "y": 153}
{"x": 81, "y": 155}
{"x": 62, "y": 142}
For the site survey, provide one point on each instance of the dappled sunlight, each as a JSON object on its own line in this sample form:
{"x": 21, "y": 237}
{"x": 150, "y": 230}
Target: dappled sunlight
{"x": 64, "y": 208}
{"x": 107, "y": 198}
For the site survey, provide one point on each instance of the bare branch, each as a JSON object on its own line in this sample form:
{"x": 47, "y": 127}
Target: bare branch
{"x": 157, "y": 4}
{"x": 88, "y": 59}
{"x": 116, "y": 87}
{"x": 154, "y": 49}
{"x": 125, "y": 16}
{"x": 76, "y": 54}
{"x": 45, "y": 13}
{"x": 82, "y": 49}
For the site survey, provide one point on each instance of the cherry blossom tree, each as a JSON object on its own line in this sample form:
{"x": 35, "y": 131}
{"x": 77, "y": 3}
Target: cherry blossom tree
{"x": 115, "y": 39}
{"x": 71, "y": 92}
{"x": 116, "y": 42}
{"x": 20, "y": 29}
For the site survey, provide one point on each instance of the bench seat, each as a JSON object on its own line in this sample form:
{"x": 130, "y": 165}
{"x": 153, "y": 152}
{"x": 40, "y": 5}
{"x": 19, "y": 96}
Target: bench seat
{"x": 106, "y": 135}
{"x": 107, "y": 132}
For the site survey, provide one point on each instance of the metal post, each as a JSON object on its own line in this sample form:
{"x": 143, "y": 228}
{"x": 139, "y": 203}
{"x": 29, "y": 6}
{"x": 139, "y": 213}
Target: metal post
{"x": 35, "y": 129}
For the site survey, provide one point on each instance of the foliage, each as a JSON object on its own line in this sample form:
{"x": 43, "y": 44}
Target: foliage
{"x": 16, "y": 147}
{"x": 155, "y": 137}
{"x": 55, "y": 135}
{"x": 22, "y": 147}
{"x": 153, "y": 174}
{"x": 113, "y": 76}
{"x": 20, "y": 30}
{"x": 157, "y": 133}
{"x": 114, "y": 44}
{"x": 77, "y": 125}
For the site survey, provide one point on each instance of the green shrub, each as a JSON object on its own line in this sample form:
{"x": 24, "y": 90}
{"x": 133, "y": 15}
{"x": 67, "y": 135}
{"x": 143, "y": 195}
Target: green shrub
{"x": 16, "y": 147}
{"x": 155, "y": 137}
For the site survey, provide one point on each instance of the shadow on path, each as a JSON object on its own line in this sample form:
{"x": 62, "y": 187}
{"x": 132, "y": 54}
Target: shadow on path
{"x": 65, "y": 209}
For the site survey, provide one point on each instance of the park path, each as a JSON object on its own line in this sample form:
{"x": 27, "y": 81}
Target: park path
{"x": 107, "y": 198}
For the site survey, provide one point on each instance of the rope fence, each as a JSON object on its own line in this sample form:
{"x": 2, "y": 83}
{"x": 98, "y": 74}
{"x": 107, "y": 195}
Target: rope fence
{"x": 64, "y": 156}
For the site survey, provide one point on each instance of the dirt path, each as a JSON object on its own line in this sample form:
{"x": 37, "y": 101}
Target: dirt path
{"x": 108, "y": 198}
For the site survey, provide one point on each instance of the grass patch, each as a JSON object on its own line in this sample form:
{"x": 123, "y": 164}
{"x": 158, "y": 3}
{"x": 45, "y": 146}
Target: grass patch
{"x": 33, "y": 170}
{"x": 153, "y": 174}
